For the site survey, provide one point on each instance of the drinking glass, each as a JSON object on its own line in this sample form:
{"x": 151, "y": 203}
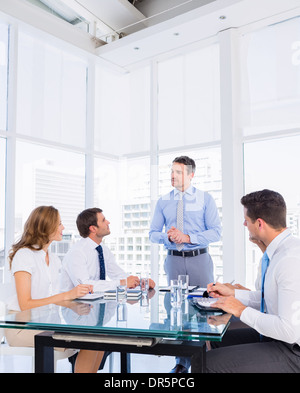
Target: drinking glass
{"x": 176, "y": 294}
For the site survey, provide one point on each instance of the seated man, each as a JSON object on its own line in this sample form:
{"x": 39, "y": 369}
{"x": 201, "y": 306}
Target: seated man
{"x": 90, "y": 262}
{"x": 271, "y": 343}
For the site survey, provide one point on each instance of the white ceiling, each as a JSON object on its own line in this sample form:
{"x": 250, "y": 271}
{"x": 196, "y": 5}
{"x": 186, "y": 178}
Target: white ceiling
{"x": 156, "y": 26}
{"x": 192, "y": 26}
{"x": 119, "y": 16}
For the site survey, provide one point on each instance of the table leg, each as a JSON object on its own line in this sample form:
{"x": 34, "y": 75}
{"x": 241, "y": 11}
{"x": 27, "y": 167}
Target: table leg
{"x": 125, "y": 362}
{"x": 198, "y": 360}
{"x": 44, "y": 358}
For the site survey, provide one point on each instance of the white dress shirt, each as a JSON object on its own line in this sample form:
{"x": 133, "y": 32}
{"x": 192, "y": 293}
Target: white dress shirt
{"x": 44, "y": 278}
{"x": 81, "y": 265}
{"x": 282, "y": 293}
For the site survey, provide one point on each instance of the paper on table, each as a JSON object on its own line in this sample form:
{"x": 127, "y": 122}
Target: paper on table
{"x": 92, "y": 296}
{"x": 206, "y": 301}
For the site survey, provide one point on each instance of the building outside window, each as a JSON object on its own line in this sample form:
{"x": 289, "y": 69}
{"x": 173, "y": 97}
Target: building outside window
{"x": 47, "y": 176}
{"x": 271, "y": 119}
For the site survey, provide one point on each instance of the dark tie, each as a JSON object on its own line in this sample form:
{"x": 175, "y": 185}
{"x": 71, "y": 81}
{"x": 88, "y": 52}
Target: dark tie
{"x": 264, "y": 266}
{"x": 101, "y": 314}
{"x": 101, "y": 262}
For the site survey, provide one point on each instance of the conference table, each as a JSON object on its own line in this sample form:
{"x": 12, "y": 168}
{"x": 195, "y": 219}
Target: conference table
{"x": 147, "y": 325}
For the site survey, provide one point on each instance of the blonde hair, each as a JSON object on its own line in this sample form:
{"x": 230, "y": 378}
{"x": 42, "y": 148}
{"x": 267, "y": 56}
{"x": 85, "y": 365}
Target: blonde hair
{"x": 41, "y": 223}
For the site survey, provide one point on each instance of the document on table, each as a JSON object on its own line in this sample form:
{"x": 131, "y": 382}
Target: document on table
{"x": 92, "y": 296}
{"x": 205, "y": 304}
{"x": 206, "y": 301}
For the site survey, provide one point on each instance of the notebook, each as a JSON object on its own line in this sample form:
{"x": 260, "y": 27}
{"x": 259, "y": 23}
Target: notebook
{"x": 131, "y": 294}
{"x": 205, "y": 303}
{"x": 92, "y": 296}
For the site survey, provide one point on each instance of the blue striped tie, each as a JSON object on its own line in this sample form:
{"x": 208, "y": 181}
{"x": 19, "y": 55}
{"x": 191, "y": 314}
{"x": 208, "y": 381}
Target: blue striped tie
{"x": 101, "y": 262}
{"x": 264, "y": 266}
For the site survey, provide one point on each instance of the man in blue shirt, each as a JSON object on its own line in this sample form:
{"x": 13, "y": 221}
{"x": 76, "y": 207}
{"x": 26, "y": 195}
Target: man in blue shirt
{"x": 200, "y": 226}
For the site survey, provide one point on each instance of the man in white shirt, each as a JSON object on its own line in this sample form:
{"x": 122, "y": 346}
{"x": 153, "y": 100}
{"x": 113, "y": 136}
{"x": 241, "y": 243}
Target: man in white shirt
{"x": 272, "y": 341}
{"x": 82, "y": 264}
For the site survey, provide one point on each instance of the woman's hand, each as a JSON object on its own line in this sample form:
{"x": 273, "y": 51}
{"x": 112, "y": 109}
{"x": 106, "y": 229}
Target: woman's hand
{"x": 79, "y": 291}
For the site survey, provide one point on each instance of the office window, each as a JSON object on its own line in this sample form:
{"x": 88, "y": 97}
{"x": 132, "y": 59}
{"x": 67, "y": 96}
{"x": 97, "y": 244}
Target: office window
{"x": 270, "y": 64}
{"x": 2, "y": 204}
{"x": 208, "y": 177}
{"x": 189, "y": 99}
{"x": 122, "y": 190}
{"x": 3, "y": 75}
{"x": 47, "y": 176}
{"x": 51, "y": 92}
{"x": 273, "y": 164}
{"x": 122, "y": 111}
{"x": 106, "y": 190}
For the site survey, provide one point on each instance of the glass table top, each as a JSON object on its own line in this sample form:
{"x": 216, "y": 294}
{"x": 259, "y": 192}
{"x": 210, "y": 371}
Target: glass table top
{"x": 149, "y": 316}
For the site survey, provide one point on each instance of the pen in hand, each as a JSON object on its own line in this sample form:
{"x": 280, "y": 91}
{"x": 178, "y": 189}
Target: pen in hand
{"x": 81, "y": 283}
{"x": 206, "y": 293}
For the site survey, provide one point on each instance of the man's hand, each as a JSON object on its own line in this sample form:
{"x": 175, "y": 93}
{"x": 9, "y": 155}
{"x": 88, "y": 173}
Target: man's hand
{"x": 176, "y": 236}
{"x": 230, "y": 305}
{"x": 151, "y": 283}
{"x": 218, "y": 289}
{"x": 132, "y": 281}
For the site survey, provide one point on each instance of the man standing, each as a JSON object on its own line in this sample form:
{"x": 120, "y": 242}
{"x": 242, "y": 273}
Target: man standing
{"x": 186, "y": 221}
{"x": 191, "y": 222}
{"x": 272, "y": 341}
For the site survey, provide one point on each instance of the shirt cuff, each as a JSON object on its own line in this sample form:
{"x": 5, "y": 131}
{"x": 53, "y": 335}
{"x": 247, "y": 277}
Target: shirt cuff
{"x": 242, "y": 295}
{"x": 166, "y": 241}
{"x": 250, "y": 316}
{"x": 193, "y": 238}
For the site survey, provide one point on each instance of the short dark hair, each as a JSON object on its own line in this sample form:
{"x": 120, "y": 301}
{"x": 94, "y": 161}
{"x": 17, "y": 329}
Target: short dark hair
{"x": 267, "y": 205}
{"x": 189, "y": 162}
{"x": 85, "y": 219}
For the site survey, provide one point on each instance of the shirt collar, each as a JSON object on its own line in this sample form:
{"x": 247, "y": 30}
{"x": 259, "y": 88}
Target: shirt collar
{"x": 272, "y": 247}
{"x": 187, "y": 191}
{"x": 35, "y": 246}
{"x": 91, "y": 243}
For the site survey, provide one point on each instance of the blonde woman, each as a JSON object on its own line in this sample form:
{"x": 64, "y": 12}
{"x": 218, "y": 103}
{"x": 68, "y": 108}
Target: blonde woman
{"x": 36, "y": 278}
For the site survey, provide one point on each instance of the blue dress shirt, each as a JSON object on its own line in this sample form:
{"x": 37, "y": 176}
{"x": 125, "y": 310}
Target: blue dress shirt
{"x": 201, "y": 219}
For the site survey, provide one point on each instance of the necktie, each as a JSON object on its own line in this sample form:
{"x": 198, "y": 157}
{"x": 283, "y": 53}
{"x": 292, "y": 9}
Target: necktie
{"x": 101, "y": 262}
{"x": 264, "y": 266}
{"x": 180, "y": 219}
{"x": 101, "y": 314}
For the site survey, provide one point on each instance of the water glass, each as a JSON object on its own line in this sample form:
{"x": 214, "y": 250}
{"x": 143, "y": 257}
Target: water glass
{"x": 176, "y": 319}
{"x": 144, "y": 301}
{"x": 121, "y": 315}
{"x": 144, "y": 282}
{"x": 121, "y": 294}
{"x": 176, "y": 294}
{"x": 184, "y": 283}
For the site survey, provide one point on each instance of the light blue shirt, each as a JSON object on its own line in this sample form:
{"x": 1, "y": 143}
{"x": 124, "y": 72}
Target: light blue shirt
{"x": 201, "y": 219}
